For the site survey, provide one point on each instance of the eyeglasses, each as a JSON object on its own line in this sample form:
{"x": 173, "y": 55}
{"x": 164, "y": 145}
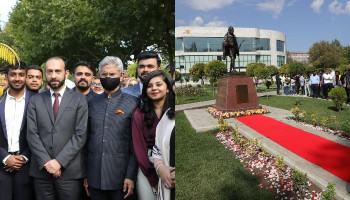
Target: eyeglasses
{"x": 96, "y": 84}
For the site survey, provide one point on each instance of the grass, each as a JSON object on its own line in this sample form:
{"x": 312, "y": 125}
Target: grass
{"x": 323, "y": 108}
{"x": 206, "y": 170}
{"x": 192, "y": 99}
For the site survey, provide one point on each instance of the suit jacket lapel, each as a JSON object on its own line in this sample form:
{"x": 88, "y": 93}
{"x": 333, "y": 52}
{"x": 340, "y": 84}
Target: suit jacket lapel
{"x": 63, "y": 104}
{"x": 24, "y": 119}
{"x": 2, "y": 113}
{"x": 48, "y": 104}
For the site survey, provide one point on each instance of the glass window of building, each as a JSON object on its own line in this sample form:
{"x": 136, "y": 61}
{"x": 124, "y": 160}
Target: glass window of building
{"x": 202, "y": 44}
{"x": 262, "y": 44}
{"x": 280, "y": 45}
{"x": 178, "y": 44}
{"x": 280, "y": 61}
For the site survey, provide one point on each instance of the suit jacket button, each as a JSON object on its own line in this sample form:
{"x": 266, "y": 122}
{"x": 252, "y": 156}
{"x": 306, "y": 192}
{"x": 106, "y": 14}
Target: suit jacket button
{"x": 51, "y": 147}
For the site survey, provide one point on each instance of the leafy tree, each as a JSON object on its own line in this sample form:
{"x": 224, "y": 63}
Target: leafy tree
{"x": 251, "y": 68}
{"x": 324, "y": 54}
{"x": 342, "y": 68}
{"x": 214, "y": 70}
{"x": 177, "y": 76}
{"x": 132, "y": 68}
{"x": 272, "y": 69}
{"x": 198, "y": 72}
{"x": 289, "y": 59}
{"x": 296, "y": 68}
{"x": 309, "y": 69}
{"x": 284, "y": 69}
{"x": 91, "y": 30}
{"x": 262, "y": 72}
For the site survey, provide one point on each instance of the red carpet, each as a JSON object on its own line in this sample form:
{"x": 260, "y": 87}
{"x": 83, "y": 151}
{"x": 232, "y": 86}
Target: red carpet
{"x": 331, "y": 156}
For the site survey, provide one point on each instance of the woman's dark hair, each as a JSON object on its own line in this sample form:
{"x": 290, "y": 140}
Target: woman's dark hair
{"x": 147, "y": 106}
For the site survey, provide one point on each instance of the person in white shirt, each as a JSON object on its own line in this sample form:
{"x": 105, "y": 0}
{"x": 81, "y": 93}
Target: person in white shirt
{"x": 15, "y": 182}
{"x": 328, "y": 83}
{"x": 332, "y": 73}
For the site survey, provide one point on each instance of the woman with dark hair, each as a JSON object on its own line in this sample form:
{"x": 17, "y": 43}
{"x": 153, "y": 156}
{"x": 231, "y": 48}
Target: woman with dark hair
{"x": 157, "y": 99}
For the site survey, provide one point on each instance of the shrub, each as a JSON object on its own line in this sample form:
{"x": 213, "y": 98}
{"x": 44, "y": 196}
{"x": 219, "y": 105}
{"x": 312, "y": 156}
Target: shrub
{"x": 338, "y": 95}
{"x": 198, "y": 86}
{"x": 206, "y": 85}
{"x": 268, "y": 84}
{"x": 280, "y": 162}
{"x": 223, "y": 125}
{"x": 216, "y": 84}
{"x": 296, "y": 112}
{"x": 191, "y": 92}
{"x": 299, "y": 181}
{"x": 314, "y": 118}
{"x": 329, "y": 194}
{"x": 189, "y": 85}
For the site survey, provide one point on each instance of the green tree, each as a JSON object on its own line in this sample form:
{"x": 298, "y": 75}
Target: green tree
{"x": 284, "y": 69}
{"x": 132, "y": 68}
{"x": 296, "y": 68}
{"x": 272, "y": 69}
{"x": 324, "y": 54}
{"x": 289, "y": 59}
{"x": 197, "y": 72}
{"x": 91, "y": 30}
{"x": 251, "y": 68}
{"x": 342, "y": 68}
{"x": 177, "y": 76}
{"x": 309, "y": 69}
{"x": 214, "y": 70}
{"x": 262, "y": 72}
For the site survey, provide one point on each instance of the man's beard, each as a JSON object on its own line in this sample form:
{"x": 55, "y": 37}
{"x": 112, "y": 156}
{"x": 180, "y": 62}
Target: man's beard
{"x": 83, "y": 88}
{"x": 16, "y": 89}
{"x": 60, "y": 83}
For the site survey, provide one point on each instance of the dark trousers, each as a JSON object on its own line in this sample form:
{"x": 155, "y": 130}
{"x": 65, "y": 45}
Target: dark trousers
{"x": 327, "y": 88}
{"x": 297, "y": 88}
{"x": 314, "y": 88}
{"x": 17, "y": 185}
{"x": 58, "y": 189}
{"x": 302, "y": 89}
{"x": 97, "y": 194}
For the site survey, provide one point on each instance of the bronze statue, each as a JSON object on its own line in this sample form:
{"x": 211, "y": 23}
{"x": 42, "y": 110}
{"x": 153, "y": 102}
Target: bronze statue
{"x": 230, "y": 47}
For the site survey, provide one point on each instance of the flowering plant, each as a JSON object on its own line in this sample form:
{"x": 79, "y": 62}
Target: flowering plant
{"x": 225, "y": 115}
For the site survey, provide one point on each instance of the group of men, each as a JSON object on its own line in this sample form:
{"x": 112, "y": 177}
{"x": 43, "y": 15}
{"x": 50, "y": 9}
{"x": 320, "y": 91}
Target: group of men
{"x": 55, "y": 143}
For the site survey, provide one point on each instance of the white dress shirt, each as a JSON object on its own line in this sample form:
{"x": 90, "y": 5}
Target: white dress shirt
{"x": 14, "y": 111}
{"x": 327, "y": 78}
{"x": 59, "y": 97}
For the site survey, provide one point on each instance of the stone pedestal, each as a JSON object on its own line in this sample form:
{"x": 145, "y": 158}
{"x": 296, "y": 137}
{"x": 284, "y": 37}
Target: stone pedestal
{"x": 236, "y": 92}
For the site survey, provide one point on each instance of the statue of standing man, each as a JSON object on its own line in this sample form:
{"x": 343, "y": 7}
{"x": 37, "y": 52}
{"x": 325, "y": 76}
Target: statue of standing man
{"x": 230, "y": 47}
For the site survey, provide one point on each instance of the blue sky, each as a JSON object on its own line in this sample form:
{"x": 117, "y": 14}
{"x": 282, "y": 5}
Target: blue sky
{"x": 303, "y": 21}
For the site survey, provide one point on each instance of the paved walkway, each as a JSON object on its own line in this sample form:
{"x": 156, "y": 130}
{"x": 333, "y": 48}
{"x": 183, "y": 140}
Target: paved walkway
{"x": 201, "y": 120}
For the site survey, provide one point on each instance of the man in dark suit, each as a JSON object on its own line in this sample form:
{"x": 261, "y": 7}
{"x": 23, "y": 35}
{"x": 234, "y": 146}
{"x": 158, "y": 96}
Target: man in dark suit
{"x": 57, "y": 126}
{"x": 148, "y": 61}
{"x": 112, "y": 166}
{"x": 83, "y": 77}
{"x": 15, "y": 183}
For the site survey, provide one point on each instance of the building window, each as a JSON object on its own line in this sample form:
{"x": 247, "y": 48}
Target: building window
{"x": 280, "y": 61}
{"x": 203, "y": 44}
{"x": 280, "y": 45}
{"x": 263, "y": 59}
{"x": 262, "y": 44}
{"x": 178, "y": 44}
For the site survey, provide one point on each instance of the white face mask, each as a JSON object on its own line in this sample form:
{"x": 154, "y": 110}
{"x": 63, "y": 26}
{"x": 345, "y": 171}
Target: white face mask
{"x": 100, "y": 92}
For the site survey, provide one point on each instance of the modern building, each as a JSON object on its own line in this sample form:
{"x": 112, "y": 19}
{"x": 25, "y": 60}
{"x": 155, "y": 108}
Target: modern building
{"x": 204, "y": 44}
{"x": 299, "y": 57}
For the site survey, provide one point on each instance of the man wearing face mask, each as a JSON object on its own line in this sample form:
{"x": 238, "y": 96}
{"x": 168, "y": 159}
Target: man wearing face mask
{"x": 111, "y": 163}
{"x": 83, "y": 77}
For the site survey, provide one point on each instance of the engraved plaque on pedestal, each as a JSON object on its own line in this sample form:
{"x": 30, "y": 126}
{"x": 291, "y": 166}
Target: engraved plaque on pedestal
{"x": 236, "y": 92}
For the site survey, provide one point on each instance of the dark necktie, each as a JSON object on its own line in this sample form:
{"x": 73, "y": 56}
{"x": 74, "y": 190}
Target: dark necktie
{"x": 56, "y": 104}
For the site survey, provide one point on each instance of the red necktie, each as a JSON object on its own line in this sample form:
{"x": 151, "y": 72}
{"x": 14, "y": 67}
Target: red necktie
{"x": 56, "y": 104}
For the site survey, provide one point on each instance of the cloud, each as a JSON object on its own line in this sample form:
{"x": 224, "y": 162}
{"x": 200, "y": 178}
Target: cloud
{"x": 292, "y": 2}
{"x": 216, "y": 23}
{"x": 337, "y": 7}
{"x": 206, "y": 5}
{"x": 316, "y": 5}
{"x": 180, "y": 22}
{"x": 275, "y": 6}
{"x": 198, "y": 21}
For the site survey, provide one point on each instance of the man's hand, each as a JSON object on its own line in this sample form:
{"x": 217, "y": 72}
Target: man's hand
{"x": 57, "y": 174}
{"x": 52, "y": 166}
{"x": 14, "y": 163}
{"x": 128, "y": 185}
{"x": 86, "y": 186}
{"x": 165, "y": 174}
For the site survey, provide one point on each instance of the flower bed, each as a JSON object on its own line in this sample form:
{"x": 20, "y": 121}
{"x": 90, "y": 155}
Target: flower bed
{"x": 271, "y": 172}
{"x": 225, "y": 115}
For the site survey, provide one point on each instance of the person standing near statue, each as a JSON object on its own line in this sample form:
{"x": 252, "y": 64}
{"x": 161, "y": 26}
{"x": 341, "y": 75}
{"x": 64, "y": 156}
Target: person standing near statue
{"x": 230, "y": 47}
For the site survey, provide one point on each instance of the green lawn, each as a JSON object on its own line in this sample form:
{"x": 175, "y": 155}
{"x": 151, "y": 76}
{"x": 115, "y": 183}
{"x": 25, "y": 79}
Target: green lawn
{"x": 310, "y": 105}
{"x": 206, "y": 170}
{"x": 191, "y": 99}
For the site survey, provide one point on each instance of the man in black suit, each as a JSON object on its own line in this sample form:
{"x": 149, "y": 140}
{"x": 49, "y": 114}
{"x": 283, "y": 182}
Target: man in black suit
{"x": 112, "y": 166}
{"x": 15, "y": 183}
{"x": 57, "y": 126}
{"x": 83, "y": 77}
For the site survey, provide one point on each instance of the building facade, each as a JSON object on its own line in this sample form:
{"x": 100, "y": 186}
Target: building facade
{"x": 204, "y": 44}
{"x": 299, "y": 57}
